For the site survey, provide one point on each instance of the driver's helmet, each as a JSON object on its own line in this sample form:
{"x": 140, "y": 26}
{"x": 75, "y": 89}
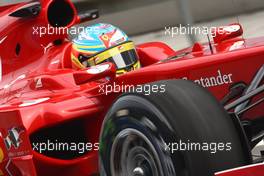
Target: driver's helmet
{"x": 101, "y": 43}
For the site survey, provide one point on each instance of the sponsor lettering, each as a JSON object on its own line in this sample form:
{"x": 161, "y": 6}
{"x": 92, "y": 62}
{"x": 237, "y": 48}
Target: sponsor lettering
{"x": 217, "y": 80}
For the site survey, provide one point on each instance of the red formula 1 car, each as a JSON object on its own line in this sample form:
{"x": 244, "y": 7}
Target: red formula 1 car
{"x": 58, "y": 120}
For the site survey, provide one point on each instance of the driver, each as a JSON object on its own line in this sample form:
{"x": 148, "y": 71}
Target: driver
{"x": 101, "y": 43}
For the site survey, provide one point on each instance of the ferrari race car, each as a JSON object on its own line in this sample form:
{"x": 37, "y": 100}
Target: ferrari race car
{"x": 194, "y": 112}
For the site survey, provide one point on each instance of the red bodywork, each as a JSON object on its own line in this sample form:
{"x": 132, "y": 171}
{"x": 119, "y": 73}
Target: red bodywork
{"x": 40, "y": 90}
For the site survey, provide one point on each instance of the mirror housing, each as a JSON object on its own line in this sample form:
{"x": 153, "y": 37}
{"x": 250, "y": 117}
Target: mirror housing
{"x": 29, "y": 10}
{"x": 63, "y": 13}
{"x": 106, "y": 70}
{"x": 227, "y": 32}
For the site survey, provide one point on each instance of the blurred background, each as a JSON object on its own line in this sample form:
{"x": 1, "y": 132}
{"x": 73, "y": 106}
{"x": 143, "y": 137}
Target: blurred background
{"x": 145, "y": 20}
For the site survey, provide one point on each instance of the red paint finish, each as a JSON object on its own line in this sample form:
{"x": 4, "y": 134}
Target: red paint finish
{"x": 40, "y": 90}
{"x": 252, "y": 170}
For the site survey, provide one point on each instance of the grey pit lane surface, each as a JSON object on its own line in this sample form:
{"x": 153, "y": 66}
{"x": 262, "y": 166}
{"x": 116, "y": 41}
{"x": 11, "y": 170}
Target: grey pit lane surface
{"x": 252, "y": 24}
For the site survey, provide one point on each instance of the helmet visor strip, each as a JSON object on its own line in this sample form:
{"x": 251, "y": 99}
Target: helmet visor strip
{"x": 123, "y": 56}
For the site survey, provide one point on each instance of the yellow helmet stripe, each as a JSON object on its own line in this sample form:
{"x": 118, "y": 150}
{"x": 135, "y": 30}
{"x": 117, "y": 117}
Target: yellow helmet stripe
{"x": 76, "y": 61}
{"x": 1, "y": 155}
{"x": 135, "y": 67}
{"x": 1, "y": 160}
{"x": 122, "y": 71}
{"x": 112, "y": 52}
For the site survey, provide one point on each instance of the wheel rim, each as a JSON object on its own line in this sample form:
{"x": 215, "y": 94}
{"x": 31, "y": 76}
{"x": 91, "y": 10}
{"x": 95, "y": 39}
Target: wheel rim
{"x": 133, "y": 154}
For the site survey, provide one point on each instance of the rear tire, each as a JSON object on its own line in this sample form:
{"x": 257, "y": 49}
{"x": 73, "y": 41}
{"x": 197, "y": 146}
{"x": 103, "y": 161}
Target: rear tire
{"x": 138, "y": 129}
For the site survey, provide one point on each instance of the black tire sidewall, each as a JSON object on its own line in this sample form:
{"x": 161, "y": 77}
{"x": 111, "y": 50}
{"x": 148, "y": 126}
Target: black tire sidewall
{"x": 157, "y": 133}
{"x": 185, "y": 112}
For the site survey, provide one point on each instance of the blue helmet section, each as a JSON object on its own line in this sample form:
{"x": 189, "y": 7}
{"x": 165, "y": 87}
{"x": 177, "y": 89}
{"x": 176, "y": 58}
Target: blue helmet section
{"x": 99, "y": 37}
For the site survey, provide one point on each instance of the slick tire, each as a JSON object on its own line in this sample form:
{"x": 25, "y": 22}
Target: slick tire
{"x": 183, "y": 131}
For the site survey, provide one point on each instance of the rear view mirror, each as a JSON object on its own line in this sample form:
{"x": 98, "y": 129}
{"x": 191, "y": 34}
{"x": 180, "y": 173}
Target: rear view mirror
{"x": 29, "y": 10}
{"x": 227, "y": 32}
{"x": 97, "y": 72}
{"x": 88, "y": 15}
